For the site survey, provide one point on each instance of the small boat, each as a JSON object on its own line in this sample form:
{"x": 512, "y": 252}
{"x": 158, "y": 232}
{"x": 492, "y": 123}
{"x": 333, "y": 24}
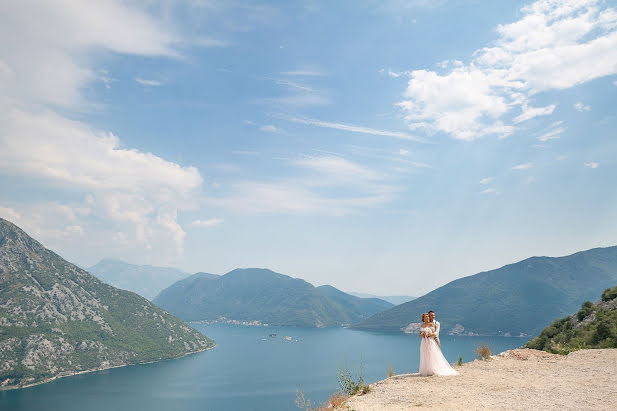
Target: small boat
{"x": 272, "y": 335}
{"x": 288, "y": 338}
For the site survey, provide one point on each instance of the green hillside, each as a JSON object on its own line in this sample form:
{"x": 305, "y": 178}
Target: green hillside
{"x": 593, "y": 326}
{"x": 518, "y": 298}
{"x": 56, "y": 319}
{"x": 262, "y": 295}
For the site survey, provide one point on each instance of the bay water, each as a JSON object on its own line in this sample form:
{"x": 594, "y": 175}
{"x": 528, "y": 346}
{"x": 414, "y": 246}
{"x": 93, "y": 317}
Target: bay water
{"x": 247, "y": 370}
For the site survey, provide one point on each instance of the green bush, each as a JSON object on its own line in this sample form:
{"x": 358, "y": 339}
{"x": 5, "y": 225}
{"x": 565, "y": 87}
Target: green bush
{"x": 586, "y": 309}
{"x": 349, "y": 385}
{"x": 609, "y": 294}
{"x": 561, "y": 337}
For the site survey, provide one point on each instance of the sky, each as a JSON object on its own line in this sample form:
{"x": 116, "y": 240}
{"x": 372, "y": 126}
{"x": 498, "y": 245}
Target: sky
{"x": 385, "y": 147}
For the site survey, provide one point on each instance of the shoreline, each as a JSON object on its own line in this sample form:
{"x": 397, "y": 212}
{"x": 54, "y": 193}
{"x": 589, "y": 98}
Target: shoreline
{"x": 72, "y": 374}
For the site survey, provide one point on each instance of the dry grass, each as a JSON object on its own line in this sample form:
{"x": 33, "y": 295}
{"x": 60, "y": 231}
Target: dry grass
{"x": 484, "y": 351}
{"x": 335, "y": 402}
{"x": 390, "y": 371}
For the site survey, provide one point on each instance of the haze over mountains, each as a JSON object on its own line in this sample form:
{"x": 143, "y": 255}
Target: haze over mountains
{"x": 262, "y": 295}
{"x": 394, "y": 299}
{"x": 520, "y": 298}
{"x": 145, "y": 280}
{"x": 57, "y": 319}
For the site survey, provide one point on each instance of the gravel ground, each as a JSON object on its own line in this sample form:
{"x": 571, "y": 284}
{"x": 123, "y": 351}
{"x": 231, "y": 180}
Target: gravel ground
{"x": 519, "y": 379}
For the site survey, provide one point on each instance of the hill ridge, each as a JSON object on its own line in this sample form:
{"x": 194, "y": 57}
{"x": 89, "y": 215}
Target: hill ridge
{"x": 264, "y": 296}
{"x": 57, "y": 319}
{"x": 516, "y": 299}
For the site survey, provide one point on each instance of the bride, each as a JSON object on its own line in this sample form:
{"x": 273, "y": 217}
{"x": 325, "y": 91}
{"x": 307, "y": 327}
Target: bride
{"x": 432, "y": 361}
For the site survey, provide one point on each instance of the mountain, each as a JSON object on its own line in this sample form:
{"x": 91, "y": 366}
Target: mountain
{"x": 255, "y": 294}
{"x": 518, "y": 298}
{"x": 593, "y": 326}
{"x": 56, "y": 319}
{"x": 144, "y": 280}
{"x": 394, "y": 299}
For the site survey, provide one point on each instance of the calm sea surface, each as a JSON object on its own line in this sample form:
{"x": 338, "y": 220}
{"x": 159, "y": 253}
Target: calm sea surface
{"x": 248, "y": 370}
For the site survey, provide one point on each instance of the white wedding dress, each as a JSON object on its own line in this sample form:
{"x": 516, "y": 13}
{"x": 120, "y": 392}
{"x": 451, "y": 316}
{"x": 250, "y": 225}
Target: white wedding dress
{"x": 432, "y": 361}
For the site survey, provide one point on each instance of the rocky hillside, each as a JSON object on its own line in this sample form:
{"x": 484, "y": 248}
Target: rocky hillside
{"x": 593, "y": 326}
{"x": 56, "y": 319}
{"x": 255, "y": 294}
{"x": 519, "y": 298}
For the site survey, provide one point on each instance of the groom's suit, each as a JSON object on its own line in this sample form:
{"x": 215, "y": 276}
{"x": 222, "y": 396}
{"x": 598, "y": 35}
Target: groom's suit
{"x": 437, "y": 327}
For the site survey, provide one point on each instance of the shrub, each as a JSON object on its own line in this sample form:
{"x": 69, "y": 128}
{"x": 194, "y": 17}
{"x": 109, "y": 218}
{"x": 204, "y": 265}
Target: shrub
{"x": 586, "y": 309}
{"x": 606, "y": 329}
{"x": 460, "y": 361}
{"x": 336, "y": 400}
{"x": 609, "y": 294}
{"x": 484, "y": 351}
{"x": 302, "y": 401}
{"x": 349, "y": 386}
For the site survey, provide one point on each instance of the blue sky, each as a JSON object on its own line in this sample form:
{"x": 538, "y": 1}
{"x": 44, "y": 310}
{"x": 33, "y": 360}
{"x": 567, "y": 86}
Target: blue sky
{"x": 380, "y": 146}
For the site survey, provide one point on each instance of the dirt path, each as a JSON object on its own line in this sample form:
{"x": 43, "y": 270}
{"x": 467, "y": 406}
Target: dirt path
{"x": 518, "y": 379}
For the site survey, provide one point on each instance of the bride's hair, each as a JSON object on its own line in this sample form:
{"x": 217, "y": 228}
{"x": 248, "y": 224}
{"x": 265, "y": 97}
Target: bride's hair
{"x": 422, "y": 317}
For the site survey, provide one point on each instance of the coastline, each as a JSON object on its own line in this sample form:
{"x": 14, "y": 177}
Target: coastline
{"x": 71, "y": 374}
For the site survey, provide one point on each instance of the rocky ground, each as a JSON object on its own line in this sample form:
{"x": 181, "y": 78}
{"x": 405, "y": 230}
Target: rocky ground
{"x": 519, "y": 379}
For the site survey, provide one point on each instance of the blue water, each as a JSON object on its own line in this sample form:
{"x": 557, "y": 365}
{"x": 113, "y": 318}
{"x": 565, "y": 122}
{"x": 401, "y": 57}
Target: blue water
{"x": 244, "y": 372}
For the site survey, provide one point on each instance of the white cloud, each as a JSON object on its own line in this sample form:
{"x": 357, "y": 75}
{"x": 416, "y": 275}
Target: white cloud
{"x": 146, "y": 82}
{"x": 48, "y": 58}
{"x": 489, "y": 191}
{"x": 9, "y": 214}
{"x": 295, "y": 198}
{"x": 47, "y": 53}
{"x": 554, "y": 45}
{"x": 269, "y": 128}
{"x": 357, "y": 129}
{"x": 524, "y": 166}
{"x": 581, "y": 107}
{"x": 403, "y": 152}
{"x": 337, "y": 168}
{"x": 592, "y": 164}
{"x": 552, "y": 134}
{"x": 530, "y": 112}
{"x": 329, "y": 185}
{"x": 486, "y": 180}
{"x": 207, "y": 223}
{"x": 304, "y": 72}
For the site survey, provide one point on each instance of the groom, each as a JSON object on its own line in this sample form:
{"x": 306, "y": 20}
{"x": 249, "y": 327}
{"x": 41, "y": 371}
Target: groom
{"x": 431, "y": 317}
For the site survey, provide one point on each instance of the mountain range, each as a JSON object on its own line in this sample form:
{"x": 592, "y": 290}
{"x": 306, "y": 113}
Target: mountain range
{"x": 145, "y": 280}
{"x": 517, "y": 299}
{"x": 261, "y": 295}
{"x": 394, "y": 299}
{"x": 56, "y": 319}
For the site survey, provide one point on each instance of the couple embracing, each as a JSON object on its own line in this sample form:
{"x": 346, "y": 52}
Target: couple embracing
{"x": 432, "y": 361}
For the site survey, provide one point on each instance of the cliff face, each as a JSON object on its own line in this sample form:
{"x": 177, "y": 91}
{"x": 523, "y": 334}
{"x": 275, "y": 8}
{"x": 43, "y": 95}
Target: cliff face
{"x": 56, "y": 319}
